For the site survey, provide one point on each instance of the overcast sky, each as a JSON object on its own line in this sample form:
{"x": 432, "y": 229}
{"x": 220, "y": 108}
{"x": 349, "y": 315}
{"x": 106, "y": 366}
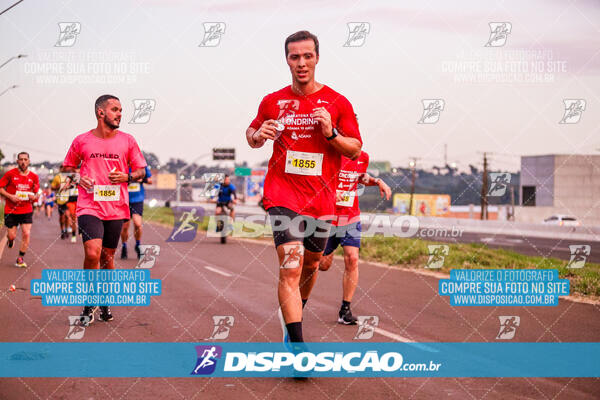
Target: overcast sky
{"x": 506, "y": 99}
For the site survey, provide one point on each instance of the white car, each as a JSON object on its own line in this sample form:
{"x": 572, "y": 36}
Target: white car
{"x": 562, "y": 220}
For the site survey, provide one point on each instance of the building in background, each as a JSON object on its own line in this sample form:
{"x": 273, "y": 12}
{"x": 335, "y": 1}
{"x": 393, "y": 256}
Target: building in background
{"x": 560, "y": 184}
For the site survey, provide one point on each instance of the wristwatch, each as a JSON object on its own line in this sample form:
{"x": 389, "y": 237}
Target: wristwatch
{"x": 333, "y": 135}
{"x": 129, "y": 178}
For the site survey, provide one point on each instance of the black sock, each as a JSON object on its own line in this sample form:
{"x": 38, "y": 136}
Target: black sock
{"x": 295, "y": 331}
{"x": 74, "y": 233}
{"x": 21, "y": 253}
{"x": 345, "y": 305}
{"x": 304, "y": 302}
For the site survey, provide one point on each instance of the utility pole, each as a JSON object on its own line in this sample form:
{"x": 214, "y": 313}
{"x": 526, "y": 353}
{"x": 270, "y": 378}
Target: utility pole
{"x": 484, "y": 189}
{"x": 413, "y": 165}
{"x": 512, "y": 203}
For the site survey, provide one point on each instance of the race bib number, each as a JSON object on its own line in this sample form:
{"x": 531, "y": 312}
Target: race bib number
{"x": 107, "y": 193}
{"x": 134, "y": 187}
{"x": 22, "y": 195}
{"x": 346, "y": 198}
{"x": 301, "y": 163}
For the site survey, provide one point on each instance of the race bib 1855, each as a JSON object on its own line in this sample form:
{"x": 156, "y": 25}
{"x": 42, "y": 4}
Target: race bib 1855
{"x": 302, "y": 163}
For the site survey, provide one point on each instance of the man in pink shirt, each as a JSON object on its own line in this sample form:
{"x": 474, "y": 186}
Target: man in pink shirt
{"x": 105, "y": 156}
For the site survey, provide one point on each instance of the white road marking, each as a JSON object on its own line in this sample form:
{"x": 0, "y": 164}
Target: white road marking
{"x": 403, "y": 339}
{"x": 218, "y": 271}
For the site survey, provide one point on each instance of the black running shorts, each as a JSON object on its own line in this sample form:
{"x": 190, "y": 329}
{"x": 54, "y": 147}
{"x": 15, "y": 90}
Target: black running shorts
{"x": 12, "y": 220}
{"x": 289, "y": 226}
{"x": 109, "y": 231}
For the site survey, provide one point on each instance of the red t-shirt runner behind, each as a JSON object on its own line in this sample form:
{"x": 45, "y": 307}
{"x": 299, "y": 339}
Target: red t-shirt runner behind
{"x": 346, "y": 209}
{"x": 21, "y": 185}
{"x": 303, "y": 169}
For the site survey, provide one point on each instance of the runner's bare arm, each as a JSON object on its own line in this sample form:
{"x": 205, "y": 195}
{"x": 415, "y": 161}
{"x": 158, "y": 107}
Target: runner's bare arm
{"x": 384, "y": 189}
{"x": 257, "y": 137}
{"x": 121, "y": 177}
{"x": 347, "y": 146}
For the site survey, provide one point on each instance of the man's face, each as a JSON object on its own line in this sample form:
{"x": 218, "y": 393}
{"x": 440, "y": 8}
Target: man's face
{"x": 111, "y": 113}
{"x": 226, "y": 181}
{"x": 302, "y": 59}
{"x": 23, "y": 162}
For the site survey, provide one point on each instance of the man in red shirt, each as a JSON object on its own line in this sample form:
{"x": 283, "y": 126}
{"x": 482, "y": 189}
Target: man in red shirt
{"x": 347, "y": 228}
{"x": 105, "y": 156}
{"x": 311, "y": 126}
{"x": 19, "y": 186}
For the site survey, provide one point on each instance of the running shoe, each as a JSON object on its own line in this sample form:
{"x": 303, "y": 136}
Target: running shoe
{"x": 73, "y": 239}
{"x": 88, "y": 311}
{"x": 63, "y": 234}
{"x": 20, "y": 262}
{"x": 123, "y": 252}
{"x": 138, "y": 251}
{"x": 105, "y": 314}
{"x": 346, "y": 317}
{"x": 11, "y": 243}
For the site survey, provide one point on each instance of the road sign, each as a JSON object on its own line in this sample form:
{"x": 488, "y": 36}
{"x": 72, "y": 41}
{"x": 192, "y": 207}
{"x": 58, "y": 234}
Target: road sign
{"x": 223, "y": 154}
{"x": 243, "y": 171}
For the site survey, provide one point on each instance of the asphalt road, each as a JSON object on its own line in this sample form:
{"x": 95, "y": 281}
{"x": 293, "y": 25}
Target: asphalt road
{"x": 203, "y": 278}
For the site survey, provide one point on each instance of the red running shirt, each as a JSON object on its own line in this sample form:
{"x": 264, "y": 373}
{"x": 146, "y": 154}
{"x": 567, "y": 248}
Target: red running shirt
{"x": 346, "y": 209}
{"x": 21, "y": 185}
{"x": 304, "y": 167}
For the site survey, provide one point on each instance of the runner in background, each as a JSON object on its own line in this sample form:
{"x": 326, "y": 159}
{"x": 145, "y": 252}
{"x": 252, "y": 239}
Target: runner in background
{"x": 49, "y": 197}
{"x": 62, "y": 198}
{"x": 346, "y": 231}
{"x": 19, "y": 186}
{"x": 137, "y": 195}
{"x": 71, "y": 214}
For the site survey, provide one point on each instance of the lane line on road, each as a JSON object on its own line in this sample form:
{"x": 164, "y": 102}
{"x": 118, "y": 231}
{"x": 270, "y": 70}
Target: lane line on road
{"x": 218, "y": 271}
{"x": 403, "y": 339}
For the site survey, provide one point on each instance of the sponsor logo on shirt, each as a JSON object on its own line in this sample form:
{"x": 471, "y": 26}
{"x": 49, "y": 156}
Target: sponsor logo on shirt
{"x": 104, "y": 155}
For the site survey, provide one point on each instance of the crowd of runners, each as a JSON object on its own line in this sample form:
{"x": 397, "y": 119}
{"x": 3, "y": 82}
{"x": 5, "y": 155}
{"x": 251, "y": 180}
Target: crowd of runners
{"x": 310, "y": 190}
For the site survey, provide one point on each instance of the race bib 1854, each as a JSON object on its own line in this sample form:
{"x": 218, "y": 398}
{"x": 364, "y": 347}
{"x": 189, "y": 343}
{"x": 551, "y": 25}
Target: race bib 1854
{"x": 107, "y": 192}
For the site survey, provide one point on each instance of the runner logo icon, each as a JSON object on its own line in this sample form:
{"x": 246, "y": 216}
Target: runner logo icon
{"x": 150, "y": 253}
{"x": 437, "y": 255}
{"x": 77, "y": 326}
{"x": 223, "y": 324}
{"x": 366, "y": 326}
{"x": 499, "y": 183}
{"x": 573, "y": 110}
{"x": 579, "y": 255}
{"x": 287, "y": 107}
{"x": 357, "y": 34}
{"x": 207, "y": 359}
{"x": 213, "y": 31}
{"x": 508, "y": 327}
{"x": 142, "y": 110}
{"x": 499, "y": 32}
{"x": 186, "y": 226}
{"x": 432, "y": 108}
{"x": 68, "y": 34}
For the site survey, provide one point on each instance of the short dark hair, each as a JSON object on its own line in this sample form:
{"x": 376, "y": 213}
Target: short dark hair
{"x": 300, "y": 36}
{"x": 100, "y": 101}
{"x": 23, "y": 152}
